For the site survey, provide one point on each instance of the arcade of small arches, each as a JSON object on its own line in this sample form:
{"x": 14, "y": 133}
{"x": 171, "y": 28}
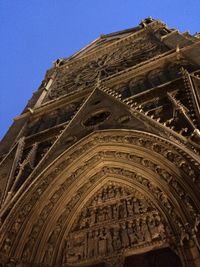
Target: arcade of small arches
{"x": 117, "y": 198}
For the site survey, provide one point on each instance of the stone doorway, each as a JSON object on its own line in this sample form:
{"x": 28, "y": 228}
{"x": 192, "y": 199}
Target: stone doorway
{"x": 159, "y": 258}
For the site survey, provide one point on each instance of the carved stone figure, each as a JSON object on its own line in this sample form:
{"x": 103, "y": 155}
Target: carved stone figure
{"x": 84, "y": 220}
{"x": 152, "y": 228}
{"x": 79, "y": 245}
{"x": 145, "y": 231}
{"x": 108, "y": 236}
{"x": 136, "y": 206}
{"x": 160, "y": 227}
{"x": 129, "y": 207}
{"x": 111, "y": 192}
{"x": 116, "y": 239}
{"x": 28, "y": 250}
{"x": 16, "y": 225}
{"x": 108, "y": 215}
{"x": 102, "y": 244}
{"x": 124, "y": 236}
{"x": 96, "y": 244}
{"x": 115, "y": 212}
{"x": 69, "y": 254}
{"x": 7, "y": 245}
{"x": 122, "y": 210}
{"x": 92, "y": 216}
{"x": 48, "y": 254}
{"x": 91, "y": 244}
{"x": 131, "y": 234}
{"x": 55, "y": 234}
{"x": 101, "y": 215}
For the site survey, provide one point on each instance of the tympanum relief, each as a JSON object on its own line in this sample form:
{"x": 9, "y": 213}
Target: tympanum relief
{"x": 116, "y": 220}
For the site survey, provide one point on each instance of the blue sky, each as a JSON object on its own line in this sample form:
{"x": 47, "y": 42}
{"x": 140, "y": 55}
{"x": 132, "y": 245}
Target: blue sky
{"x": 36, "y": 32}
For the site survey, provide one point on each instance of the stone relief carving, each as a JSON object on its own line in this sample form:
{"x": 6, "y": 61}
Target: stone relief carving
{"x": 115, "y": 220}
{"x": 174, "y": 156}
{"x": 133, "y": 53}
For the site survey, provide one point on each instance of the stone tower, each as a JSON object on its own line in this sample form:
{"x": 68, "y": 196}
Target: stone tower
{"x": 102, "y": 167}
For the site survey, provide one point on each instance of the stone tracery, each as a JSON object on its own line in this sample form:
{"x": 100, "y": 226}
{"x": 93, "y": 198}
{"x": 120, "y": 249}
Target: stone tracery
{"x": 106, "y": 65}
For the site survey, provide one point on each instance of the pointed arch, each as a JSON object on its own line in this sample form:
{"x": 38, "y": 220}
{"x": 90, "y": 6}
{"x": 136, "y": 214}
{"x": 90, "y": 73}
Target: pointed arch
{"x": 158, "y": 169}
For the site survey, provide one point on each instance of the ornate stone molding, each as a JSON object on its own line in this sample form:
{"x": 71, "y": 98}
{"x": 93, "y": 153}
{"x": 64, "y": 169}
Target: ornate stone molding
{"x": 129, "y": 139}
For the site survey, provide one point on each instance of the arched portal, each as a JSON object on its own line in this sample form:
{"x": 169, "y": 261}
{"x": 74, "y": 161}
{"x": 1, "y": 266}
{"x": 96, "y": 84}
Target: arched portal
{"x": 152, "y": 179}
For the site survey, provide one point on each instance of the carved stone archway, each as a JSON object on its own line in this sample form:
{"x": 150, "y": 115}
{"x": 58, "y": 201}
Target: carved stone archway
{"x": 155, "y": 168}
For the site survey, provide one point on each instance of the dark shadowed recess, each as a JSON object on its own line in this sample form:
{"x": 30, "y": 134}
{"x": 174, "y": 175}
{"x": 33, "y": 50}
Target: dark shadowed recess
{"x": 158, "y": 258}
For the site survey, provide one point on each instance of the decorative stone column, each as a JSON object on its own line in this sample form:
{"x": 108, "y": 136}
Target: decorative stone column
{"x": 189, "y": 254}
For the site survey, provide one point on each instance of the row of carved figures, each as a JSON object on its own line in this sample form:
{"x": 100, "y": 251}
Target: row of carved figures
{"x": 109, "y": 192}
{"x": 105, "y": 241}
{"x": 122, "y": 209}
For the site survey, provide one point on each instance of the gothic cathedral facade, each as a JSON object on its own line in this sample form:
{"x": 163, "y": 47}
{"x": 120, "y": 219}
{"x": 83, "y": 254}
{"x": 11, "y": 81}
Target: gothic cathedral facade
{"x": 102, "y": 168}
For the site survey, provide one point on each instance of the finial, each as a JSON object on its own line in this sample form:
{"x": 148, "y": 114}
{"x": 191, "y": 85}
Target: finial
{"x": 146, "y": 21}
{"x": 58, "y": 62}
